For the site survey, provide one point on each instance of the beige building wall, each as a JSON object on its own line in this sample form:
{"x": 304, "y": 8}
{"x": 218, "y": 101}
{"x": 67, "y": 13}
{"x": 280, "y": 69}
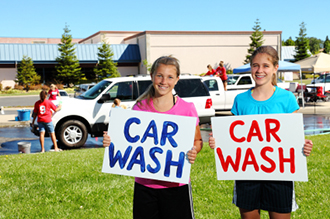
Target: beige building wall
{"x": 127, "y": 71}
{"x": 110, "y": 37}
{"x": 196, "y": 50}
{"x": 34, "y": 40}
{"x": 7, "y": 77}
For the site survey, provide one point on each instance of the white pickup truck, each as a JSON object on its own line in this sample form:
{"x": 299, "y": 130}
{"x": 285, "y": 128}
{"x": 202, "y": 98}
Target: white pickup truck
{"x": 236, "y": 84}
{"x": 88, "y": 113}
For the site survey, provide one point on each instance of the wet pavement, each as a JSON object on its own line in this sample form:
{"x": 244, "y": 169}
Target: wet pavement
{"x": 11, "y": 136}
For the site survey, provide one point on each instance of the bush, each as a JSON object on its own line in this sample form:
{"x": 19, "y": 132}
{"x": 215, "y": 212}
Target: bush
{"x": 18, "y": 87}
{"x": 7, "y": 88}
{"x": 35, "y": 87}
{"x": 59, "y": 86}
{"x": 45, "y": 87}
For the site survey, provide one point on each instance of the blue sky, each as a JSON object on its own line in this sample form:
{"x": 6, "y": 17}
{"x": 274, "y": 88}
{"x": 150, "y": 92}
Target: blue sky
{"x": 42, "y": 18}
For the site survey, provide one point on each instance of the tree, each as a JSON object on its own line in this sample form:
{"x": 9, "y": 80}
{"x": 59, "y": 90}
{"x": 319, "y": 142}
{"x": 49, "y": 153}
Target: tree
{"x": 314, "y": 45}
{"x": 106, "y": 67}
{"x": 289, "y": 42}
{"x": 326, "y": 45}
{"x": 257, "y": 40}
{"x": 301, "y": 44}
{"x": 147, "y": 65}
{"x": 68, "y": 67}
{"x": 26, "y": 73}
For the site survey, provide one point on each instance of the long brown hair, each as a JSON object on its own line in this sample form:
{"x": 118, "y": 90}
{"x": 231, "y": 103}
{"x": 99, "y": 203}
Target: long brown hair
{"x": 43, "y": 95}
{"x": 274, "y": 58}
{"x": 165, "y": 60}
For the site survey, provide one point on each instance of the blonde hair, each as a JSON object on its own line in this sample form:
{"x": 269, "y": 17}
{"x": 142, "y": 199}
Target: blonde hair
{"x": 116, "y": 102}
{"x": 269, "y": 50}
{"x": 52, "y": 86}
{"x": 163, "y": 60}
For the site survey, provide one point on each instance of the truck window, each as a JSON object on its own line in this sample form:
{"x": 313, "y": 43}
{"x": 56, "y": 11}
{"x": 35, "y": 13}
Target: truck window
{"x": 143, "y": 85}
{"x": 191, "y": 88}
{"x": 245, "y": 80}
{"x": 122, "y": 91}
{"x": 212, "y": 85}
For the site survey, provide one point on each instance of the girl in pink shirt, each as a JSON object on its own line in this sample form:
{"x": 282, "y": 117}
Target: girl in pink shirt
{"x": 154, "y": 198}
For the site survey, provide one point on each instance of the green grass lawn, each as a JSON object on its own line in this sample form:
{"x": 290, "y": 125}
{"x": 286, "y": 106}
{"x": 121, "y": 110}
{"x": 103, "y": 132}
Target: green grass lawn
{"x": 70, "y": 184}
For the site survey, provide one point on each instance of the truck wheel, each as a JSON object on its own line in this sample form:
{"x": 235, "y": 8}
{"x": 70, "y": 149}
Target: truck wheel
{"x": 72, "y": 133}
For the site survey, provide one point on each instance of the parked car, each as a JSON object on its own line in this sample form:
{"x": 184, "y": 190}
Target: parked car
{"x": 236, "y": 84}
{"x": 245, "y": 81}
{"x": 319, "y": 79}
{"x": 88, "y": 113}
{"x": 83, "y": 88}
{"x": 63, "y": 94}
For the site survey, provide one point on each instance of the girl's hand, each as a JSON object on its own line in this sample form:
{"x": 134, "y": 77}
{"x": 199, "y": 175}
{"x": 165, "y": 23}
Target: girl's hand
{"x": 211, "y": 141}
{"x": 106, "y": 139}
{"x": 192, "y": 154}
{"x": 308, "y": 147}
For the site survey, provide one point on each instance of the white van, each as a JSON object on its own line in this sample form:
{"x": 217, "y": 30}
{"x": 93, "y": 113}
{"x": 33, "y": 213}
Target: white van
{"x": 89, "y": 112}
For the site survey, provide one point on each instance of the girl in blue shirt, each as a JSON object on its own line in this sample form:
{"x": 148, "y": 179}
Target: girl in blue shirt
{"x": 276, "y": 197}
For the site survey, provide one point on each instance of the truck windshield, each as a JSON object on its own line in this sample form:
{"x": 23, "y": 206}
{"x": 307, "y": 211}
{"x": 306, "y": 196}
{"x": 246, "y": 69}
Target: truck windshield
{"x": 95, "y": 91}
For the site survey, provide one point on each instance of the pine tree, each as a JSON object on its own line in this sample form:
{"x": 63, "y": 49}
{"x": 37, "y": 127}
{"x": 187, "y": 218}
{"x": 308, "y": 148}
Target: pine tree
{"x": 289, "y": 42}
{"x": 68, "y": 67}
{"x": 326, "y": 45}
{"x": 26, "y": 73}
{"x": 302, "y": 44}
{"x": 106, "y": 67}
{"x": 257, "y": 40}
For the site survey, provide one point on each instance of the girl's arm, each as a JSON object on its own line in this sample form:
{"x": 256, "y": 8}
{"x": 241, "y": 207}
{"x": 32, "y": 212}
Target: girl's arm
{"x": 198, "y": 144}
{"x": 106, "y": 139}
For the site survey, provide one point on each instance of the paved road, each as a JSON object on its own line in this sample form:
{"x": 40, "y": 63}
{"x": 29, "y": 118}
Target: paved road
{"x": 18, "y": 101}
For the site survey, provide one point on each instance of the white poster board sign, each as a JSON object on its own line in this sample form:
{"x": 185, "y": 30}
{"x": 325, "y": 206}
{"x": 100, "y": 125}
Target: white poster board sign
{"x": 260, "y": 147}
{"x": 149, "y": 145}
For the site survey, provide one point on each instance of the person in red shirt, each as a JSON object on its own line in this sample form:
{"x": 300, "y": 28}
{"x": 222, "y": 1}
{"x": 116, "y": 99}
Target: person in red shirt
{"x": 42, "y": 111}
{"x": 53, "y": 92}
{"x": 221, "y": 71}
{"x": 211, "y": 71}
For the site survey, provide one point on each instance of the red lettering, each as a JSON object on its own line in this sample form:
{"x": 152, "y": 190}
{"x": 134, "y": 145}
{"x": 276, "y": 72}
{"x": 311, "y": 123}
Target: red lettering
{"x": 225, "y": 163}
{"x": 270, "y": 161}
{"x": 254, "y": 131}
{"x": 273, "y": 131}
{"x": 290, "y": 160}
{"x": 249, "y": 153}
{"x": 231, "y": 131}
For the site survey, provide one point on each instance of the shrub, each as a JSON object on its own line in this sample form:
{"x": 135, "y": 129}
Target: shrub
{"x": 18, "y": 87}
{"x": 7, "y": 88}
{"x": 45, "y": 87}
{"x": 59, "y": 86}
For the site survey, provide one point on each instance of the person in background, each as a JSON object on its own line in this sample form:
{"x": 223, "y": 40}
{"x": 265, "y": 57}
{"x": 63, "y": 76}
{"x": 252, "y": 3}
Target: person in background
{"x": 211, "y": 71}
{"x": 43, "y": 111}
{"x": 154, "y": 198}
{"x": 117, "y": 104}
{"x": 276, "y": 197}
{"x": 221, "y": 72}
{"x": 53, "y": 92}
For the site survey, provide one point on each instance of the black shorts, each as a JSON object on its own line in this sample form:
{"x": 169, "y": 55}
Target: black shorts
{"x": 166, "y": 203}
{"x": 224, "y": 80}
{"x": 276, "y": 196}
